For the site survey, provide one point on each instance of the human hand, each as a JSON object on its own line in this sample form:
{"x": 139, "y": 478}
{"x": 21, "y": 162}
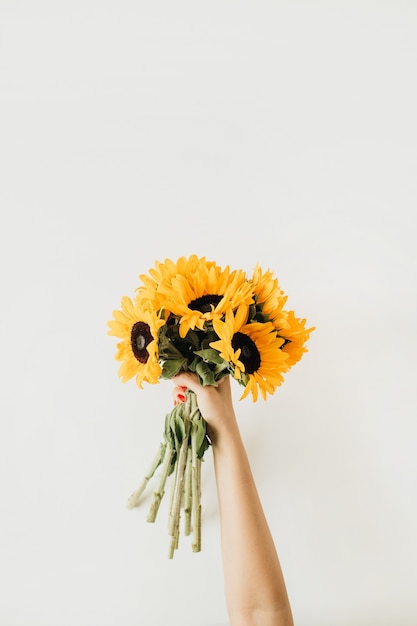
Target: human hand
{"x": 215, "y": 403}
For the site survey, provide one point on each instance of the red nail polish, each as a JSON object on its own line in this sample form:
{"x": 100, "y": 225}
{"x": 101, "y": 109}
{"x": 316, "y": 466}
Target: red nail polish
{"x": 181, "y": 397}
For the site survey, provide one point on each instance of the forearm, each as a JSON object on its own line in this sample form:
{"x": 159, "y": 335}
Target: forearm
{"x": 254, "y": 584}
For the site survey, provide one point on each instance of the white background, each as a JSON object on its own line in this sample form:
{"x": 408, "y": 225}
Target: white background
{"x": 282, "y": 133}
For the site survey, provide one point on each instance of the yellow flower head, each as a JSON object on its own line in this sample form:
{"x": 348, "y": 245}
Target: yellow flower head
{"x": 268, "y": 293}
{"x": 201, "y": 291}
{"x": 295, "y": 334}
{"x": 138, "y": 328}
{"x": 254, "y": 351}
{"x": 160, "y": 276}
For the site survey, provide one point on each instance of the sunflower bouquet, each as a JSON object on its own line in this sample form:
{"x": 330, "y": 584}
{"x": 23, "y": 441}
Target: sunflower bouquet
{"x": 193, "y": 315}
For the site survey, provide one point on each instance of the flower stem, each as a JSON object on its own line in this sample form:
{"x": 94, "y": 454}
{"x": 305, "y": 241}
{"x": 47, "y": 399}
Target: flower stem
{"x": 188, "y": 497}
{"x": 135, "y": 497}
{"x": 179, "y": 487}
{"x": 175, "y": 512}
{"x": 159, "y": 493}
{"x": 172, "y": 495}
{"x": 196, "y": 492}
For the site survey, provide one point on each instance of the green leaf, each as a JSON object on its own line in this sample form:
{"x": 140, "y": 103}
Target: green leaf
{"x": 199, "y": 428}
{"x": 205, "y": 373}
{"x": 173, "y": 463}
{"x": 167, "y": 349}
{"x": 179, "y": 429}
{"x": 211, "y": 355}
{"x": 171, "y": 367}
{"x": 199, "y": 432}
{"x": 222, "y": 370}
{"x": 192, "y": 366}
{"x": 244, "y": 379}
{"x": 208, "y": 338}
{"x": 204, "y": 446}
{"x": 175, "y": 427}
{"x": 261, "y": 317}
{"x": 252, "y": 312}
{"x": 192, "y": 338}
{"x": 169, "y": 437}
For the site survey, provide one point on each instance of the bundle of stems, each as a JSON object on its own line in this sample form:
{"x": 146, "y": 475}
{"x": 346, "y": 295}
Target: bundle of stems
{"x": 180, "y": 456}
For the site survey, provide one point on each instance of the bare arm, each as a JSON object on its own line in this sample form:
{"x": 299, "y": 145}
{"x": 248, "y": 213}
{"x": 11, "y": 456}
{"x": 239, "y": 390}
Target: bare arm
{"x": 255, "y": 589}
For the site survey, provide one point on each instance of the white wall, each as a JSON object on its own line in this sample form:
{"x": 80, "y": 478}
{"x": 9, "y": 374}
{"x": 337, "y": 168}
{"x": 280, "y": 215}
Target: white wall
{"x": 282, "y": 133}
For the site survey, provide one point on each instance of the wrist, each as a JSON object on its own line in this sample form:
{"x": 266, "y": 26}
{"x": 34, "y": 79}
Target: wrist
{"x": 226, "y": 434}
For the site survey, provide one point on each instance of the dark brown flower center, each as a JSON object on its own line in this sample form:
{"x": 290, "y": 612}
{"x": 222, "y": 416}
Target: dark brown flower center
{"x": 249, "y": 353}
{"x": 140, "y": 338}
{"x": 205, "y": 304}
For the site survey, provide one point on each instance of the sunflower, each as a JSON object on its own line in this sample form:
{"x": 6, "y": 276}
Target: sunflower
{"x": 254, "y": 352}
{"x": 269, "y": 296}
{"x": 203, "y": 292}
{"x": 226, "y": 330}
{"x": 292, "y": 329}
{"x": 138, "y": 328}
{"x": 161, "y": 275}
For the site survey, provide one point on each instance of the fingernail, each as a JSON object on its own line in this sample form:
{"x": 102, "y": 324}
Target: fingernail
{"x": 182, "y": 387}
{"x": 181, "y": 397}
